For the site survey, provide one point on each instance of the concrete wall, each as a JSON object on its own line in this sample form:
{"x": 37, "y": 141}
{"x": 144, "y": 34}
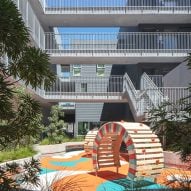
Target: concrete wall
{"x": 178, "y": 77}
{"x": 136, "y": 70}
{"x": 172, "y": 159}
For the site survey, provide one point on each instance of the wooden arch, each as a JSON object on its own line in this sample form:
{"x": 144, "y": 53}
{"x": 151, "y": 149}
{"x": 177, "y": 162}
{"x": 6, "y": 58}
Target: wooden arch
{"x": 144, "y": 148}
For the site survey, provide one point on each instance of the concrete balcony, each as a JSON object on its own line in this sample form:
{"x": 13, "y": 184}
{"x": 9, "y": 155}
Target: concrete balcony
{"x": 111, "y": 13}
{"x": 118, "y": 48}
{"x": 36, "y": 31}
{"x": 86, "y": 89}
{"x": 112, "y": 89}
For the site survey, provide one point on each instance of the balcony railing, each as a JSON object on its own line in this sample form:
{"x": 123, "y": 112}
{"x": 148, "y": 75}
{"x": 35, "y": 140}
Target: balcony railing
{"x": 90, "y": 88}
{"x": 32, "y": 22}
{"x": 156, "y": 97}
{"x": 125, "y": 43}
{"x": 113, "y": 89}
{"x": 157, "y": 79}
{"x": 115, "y": 6}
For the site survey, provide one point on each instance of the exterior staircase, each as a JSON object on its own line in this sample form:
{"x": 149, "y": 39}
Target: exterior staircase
{"x": 140, "y": 101}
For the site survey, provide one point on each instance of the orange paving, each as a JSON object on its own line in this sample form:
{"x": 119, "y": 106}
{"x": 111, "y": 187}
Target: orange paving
{"x": 85, "y": 166}
{"x": 89, "y": 182}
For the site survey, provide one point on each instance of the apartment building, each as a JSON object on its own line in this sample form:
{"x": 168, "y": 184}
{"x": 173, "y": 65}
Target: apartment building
{"x": 131, "y": 59}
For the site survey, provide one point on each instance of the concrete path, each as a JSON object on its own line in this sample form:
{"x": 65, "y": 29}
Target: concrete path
{"x": 57, "y": 148}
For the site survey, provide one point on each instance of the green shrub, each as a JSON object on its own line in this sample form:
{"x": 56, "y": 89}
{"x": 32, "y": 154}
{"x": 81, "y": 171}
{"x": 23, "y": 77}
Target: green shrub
{"x": 75, "y": 139}
{"x": 45, "y": 141}
{"x": 18, "y": 153}
{"x": 61, "y": 139}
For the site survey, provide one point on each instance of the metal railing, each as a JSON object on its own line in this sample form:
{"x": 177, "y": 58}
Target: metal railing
{"x": 123, "y": 43}
{"x": 135, "y": 98}
{"x": 32, "y": 22}
{"x": 155, "y": 97}
{"x": 86, "y": 88}
{"x": 115, "y": 6}
{"x": 113, "y": 88}
{"x": 173, "y": 94}
{"x": 157, "y": 79}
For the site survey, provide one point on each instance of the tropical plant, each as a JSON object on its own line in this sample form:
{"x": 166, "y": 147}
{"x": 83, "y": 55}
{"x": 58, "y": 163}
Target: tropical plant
{"x": 25, "y": 126}
{"x": 55, "y": 130}
{"x": 178, "y": 180}
{"x": 21, "y": 119}
{"x": 26, "y": 63}
{"x": 170, "y": 121}
{"x": 13, "y": 175}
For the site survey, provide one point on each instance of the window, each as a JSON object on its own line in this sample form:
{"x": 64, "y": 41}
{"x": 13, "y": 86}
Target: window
{"x": 83, "y": 87}
{"x": 100, "y": 70}
{"x": 77, "y": 70}
{"x": 65, "y": 71}
{"x": 84, "y": 127}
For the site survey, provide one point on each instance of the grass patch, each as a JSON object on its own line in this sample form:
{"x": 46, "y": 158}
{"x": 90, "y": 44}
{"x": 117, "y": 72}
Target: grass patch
{"x": 47, "y": 141}
{"x": 76, "y": 139}
{"x": 18, "y": 153}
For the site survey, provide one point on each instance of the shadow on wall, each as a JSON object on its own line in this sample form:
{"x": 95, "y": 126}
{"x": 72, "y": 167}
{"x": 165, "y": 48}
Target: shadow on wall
{"x": 116, "y": 112}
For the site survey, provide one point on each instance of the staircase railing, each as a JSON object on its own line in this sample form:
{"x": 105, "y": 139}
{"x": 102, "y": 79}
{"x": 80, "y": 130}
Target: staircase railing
{"x": 153, "y": 92}
{"x": 157, "y": 79}
{"x": 136, "y": 100}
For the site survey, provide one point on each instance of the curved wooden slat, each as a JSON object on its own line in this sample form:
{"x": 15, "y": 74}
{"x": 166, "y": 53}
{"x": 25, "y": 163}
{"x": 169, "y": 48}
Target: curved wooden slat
{"x": 144, "y": 148}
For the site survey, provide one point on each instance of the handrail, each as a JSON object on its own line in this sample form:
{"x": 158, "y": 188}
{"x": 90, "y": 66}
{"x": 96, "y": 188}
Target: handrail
{"x": 136, "y": 102}
{"x": 157, "y": 79}
{"x": 153, "y": 92}
{"x": 77, "y": 6}
{"x": 113, "y": 88}
{"x": 119, "y": 42}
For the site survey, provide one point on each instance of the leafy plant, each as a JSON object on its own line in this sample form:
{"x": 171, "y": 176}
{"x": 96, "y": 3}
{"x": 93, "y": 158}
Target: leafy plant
{"x": 26, "y": 63}
{"x": 174, "y": 123}
{"x": 55, "y": 130}
{"x": 26, "y": 123}
{"x": 179, "y": 180}
{"x": 13, "y": 175}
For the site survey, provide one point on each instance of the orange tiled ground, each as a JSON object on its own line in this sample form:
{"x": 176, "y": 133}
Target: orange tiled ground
{"x": 89, "y": 182}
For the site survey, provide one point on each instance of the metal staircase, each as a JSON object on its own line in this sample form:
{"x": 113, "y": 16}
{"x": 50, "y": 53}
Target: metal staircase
{"x": 140, "y": 101}
{"x": 135, "y": 98}
{"x": 153, "y": 92}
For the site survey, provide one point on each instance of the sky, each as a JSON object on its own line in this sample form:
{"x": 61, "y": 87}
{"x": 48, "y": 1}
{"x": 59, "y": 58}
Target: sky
{"x": 86, "y": 3}
{"x": 87, "y": 29}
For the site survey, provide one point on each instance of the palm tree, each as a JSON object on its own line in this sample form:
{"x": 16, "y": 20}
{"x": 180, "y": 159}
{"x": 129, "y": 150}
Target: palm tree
{"x": 26, "y": 62}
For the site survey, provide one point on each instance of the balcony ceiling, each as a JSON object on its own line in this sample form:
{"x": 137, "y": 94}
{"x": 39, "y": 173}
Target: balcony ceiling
{"x": 114, "y": 60}
{"x": 105, "y": 20}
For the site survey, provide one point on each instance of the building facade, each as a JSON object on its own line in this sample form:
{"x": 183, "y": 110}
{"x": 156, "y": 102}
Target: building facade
{"x": 117, "y": 75}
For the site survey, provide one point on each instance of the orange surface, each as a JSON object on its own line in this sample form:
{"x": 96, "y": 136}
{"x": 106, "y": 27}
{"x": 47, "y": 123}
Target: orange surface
{"x": 89, "y": 182}
{"x": 85, "y": 166}
{"x": 45, "y": 163}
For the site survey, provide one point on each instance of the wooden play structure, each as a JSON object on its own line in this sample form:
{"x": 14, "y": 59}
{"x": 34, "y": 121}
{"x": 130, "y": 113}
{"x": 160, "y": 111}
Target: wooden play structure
{"x": 89, "y": 140}
{"x": 144, "y": 148}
